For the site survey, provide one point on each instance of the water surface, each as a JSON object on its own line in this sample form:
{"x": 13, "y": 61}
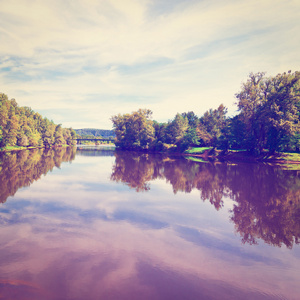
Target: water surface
{"x": 99, "y": 224}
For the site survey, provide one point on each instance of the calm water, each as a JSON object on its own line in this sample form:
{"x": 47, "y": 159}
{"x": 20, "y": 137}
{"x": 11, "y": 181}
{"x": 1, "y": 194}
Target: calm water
{"x": 99, "y": 224}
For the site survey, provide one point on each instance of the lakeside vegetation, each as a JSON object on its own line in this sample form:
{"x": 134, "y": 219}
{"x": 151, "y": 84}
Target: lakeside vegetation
{"x": 267, "y": 120}
{"x": 22, "y": 128}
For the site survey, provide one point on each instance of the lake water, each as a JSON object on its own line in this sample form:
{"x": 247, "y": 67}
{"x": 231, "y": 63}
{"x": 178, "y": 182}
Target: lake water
{"x": 100, "y": 224}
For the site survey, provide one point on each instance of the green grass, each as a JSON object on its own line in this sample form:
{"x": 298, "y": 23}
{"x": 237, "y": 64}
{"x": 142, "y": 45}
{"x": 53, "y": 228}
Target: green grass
{"x": 291, "y": 167}
{"x": 290, "y": 156}
{"x": 197, "y": 150}
{"x": 10, "y": 148}
{"x": 196, "y": 159}
{"x": 237, "y": 150}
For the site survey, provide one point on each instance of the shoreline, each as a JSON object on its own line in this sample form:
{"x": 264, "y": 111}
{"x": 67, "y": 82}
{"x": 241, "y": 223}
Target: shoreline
{"x": 279, "y": 158}
{"x": 20, "y": 148}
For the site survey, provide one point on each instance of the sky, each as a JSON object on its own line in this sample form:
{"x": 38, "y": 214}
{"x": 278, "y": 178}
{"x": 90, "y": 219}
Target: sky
{"x": 79, "y": 62}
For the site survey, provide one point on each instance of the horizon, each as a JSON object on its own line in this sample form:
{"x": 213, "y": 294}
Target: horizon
{"x": 80, "y": 62}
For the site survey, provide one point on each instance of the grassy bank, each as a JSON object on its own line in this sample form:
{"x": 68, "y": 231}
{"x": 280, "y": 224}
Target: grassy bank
{"x": 17, "y": 148}
{"x": 14, "y": 148}
{"x": 197, "y": 150}
{"x": 242, "y": 155}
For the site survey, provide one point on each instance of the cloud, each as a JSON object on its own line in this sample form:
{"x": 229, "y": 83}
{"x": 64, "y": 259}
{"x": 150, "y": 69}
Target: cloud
{"x": 79, "y": 62}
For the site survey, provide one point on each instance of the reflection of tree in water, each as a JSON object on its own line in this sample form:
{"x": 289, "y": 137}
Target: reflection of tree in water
{"x": 21, "y": 168}
{"x": 266, "y": 205}
{"x": 93, "y": 151}
{"x": 266, "y": 199}
{"x": 186, "y": 175}
{"x": 135, "y": 170}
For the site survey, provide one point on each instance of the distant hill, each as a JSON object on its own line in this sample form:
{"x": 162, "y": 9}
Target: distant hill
{"x": 95, "y": 132}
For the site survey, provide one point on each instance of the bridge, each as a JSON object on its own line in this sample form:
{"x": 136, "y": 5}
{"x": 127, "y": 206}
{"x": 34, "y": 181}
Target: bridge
{"x": 80, "y": 140}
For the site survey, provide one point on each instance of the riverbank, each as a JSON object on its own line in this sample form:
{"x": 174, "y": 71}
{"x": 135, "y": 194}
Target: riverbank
{"x": 18, "y": 148}
{"x": 214, "y": 154}
{"x": 202, "y": 154}
{"x": 209, "y": 153}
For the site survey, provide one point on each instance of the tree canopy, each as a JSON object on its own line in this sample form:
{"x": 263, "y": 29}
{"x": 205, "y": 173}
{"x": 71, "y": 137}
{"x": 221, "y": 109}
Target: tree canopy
{"x": 267, "y": 118}
{"x": 21, "y": 126}
{"x": 135, "y": 130}
{"x": 269, "y": 108}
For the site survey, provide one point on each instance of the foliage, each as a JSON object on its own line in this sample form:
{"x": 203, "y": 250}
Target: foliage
{"x": 135, "y": 130}
{"x": 177, "y": 129}
{"x": 213, "y": 121}
{"x": 197, "y": 150}
{"x": 21, "y": 126}
{"x": 268, "y": 118}
{"x": 269, "y": 108}
{"x": 92, "y": 132}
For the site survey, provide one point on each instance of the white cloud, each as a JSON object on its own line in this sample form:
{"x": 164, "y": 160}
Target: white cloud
{"x": 106, "y": 57}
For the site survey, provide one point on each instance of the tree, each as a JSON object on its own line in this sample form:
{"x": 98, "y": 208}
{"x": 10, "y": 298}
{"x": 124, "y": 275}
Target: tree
{"x": 177, "y": 129}
{"x": 159, "y": 135}
{"x": 214, "y": 122}
{"x": 282, "y": 109}
{"x": 192, "y": 119}
{"x": 135, "y": 130}
{"x": 3, "y": 118}
{"x": 190, "y": 139}
{"x": 204, "y": 138}
{"x": 269, "y": 108}
{"x": 250, "y": 101}
{"x": 58, "y": 136}
{"x": 236, "y": 133}
{"x": 47, "y": 131}
{"x": 23, "y": 127}
{"x": 12, "y": 126}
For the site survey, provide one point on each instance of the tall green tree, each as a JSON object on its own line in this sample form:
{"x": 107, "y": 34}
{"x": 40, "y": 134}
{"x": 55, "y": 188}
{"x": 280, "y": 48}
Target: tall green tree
{"x": 58, "y": 136}
{"x": 250, "y": 101}
{"x": 21, "y": 126}
{"x": 177, "y": 129}
{"x": 282, "y": 108}
{"x": 193, "y": 120}
{"x": 214, "y": 121}
{"x": 135, "y": 130}
{"x": 269, "y": 108}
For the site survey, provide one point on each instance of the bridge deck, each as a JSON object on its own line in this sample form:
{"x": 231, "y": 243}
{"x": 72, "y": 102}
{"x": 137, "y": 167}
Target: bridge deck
{"x": 78, "y": 140}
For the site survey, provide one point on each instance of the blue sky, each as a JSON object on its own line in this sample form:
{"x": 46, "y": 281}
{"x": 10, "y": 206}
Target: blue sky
{"x": 78, "y": 62}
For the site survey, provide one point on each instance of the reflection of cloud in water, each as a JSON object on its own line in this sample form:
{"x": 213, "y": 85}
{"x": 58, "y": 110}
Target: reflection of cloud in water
{"x": 78, "y": 235}
{"x": 103, "y": 259}
{"x": 168, "y": 284}
{"x": 139, "y": 219}
{"x": 200, "y": 238}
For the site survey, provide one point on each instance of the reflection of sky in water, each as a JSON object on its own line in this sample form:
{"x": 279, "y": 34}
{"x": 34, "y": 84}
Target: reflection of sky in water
{"x": 75, "y": 234}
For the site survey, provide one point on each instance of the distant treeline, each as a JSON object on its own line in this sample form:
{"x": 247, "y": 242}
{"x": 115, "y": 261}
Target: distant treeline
{"x": 268, "y": 118}
{"x": 21, "y": 126}
{"x": 94, "y": 133}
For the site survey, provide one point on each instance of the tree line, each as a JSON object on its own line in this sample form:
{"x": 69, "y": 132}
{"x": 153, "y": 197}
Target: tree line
{"x": 21, "y": 126}
{"x": 92, "y": 133}
{"x": 268, "y": 118}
